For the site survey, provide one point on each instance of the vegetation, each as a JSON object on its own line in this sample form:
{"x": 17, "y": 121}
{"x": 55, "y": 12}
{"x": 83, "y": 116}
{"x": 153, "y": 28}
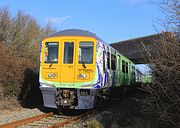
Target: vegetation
{"x": 19, "y": 62}
{"x": 164, "y": 58}
{"x": 94, "y": 124}
{"x": 20, "y": 37}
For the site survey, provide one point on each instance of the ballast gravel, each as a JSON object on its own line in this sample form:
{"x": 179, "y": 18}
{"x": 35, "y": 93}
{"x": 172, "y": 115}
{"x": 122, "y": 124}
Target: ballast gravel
{"x": 18, "y": 114}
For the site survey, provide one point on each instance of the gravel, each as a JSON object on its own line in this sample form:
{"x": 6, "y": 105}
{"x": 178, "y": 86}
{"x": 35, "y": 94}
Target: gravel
{"x": 18, "y": 114}
{"x": 106, "y": 117}
{"x": 8, "y": 116}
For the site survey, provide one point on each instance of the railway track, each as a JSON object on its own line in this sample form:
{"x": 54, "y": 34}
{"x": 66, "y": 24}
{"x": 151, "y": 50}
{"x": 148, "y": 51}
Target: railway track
{"x": 51, "y": 120}
{"x": 48, "y": 120}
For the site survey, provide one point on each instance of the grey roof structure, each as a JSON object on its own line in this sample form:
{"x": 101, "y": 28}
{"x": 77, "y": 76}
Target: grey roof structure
{"x": 135, "y": 49}
{"x": 75, "y": 32}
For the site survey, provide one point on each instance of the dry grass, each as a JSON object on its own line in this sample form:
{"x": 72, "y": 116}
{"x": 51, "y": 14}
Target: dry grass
{"x": 128, "y": 113}
{"x": 9, "y": 104}
{"x": 94, "y": 124}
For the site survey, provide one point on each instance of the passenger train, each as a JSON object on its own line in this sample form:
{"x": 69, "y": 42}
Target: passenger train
{"x": 76, "y": 65}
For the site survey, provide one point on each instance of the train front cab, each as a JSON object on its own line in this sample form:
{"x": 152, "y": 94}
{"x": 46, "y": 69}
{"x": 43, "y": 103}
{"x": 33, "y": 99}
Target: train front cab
{"x": 67, "y": 72}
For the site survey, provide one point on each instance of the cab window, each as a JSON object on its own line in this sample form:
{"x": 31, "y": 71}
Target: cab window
{"x": 51, "y": 52}
{"x": 86, "y": 52}
{"x": 68, "y": 52}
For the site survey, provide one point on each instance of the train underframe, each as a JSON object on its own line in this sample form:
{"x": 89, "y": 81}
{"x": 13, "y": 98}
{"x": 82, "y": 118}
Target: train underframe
{"x": 70, "y": 98}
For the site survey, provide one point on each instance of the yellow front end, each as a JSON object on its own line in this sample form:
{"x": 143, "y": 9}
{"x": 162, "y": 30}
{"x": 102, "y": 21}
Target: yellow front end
{"x": 68, "y": 61}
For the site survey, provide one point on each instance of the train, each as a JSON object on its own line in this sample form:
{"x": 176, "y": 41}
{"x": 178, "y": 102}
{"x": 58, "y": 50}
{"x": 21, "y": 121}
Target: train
{"x": 75, "y": 65}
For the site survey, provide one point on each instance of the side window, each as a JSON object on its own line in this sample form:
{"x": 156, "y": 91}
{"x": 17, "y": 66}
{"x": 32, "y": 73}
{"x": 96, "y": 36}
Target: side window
{"x": 134, "y": 71}
{"x": 127, "y": 67}
{"x": 123, "y": 66}
{"x": 130, "y": 69}
{"x": 108, "y": 60}
{"x": 51, "y": 52}
{"x": 119, "y": 62}
{"x": 68, "y": 52}
{"x": 113, "y": 62}
{"x": 104, "y": 62}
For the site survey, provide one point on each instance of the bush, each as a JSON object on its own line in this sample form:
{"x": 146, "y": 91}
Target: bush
{"x": 20, "y": 38}
{"x": 165, "y": 63}
{"x": 11, "y": 75}
{"x": 94, "y": 124}
{"x": 164, "y": 58}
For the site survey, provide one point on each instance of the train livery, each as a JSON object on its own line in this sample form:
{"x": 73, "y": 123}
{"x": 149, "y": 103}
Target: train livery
{"x": 75, "y": 65}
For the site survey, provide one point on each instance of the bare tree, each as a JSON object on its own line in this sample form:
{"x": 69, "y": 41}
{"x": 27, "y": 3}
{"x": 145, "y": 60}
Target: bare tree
{"x": 164, "y": 57}
{"x": 20, "y": 38}
{"x": 5, "y": 25}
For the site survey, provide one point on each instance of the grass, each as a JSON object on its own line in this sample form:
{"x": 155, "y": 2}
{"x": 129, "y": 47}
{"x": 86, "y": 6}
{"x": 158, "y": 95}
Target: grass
{"x": 94, "y": 124}
{"x": 127, "y": 113}
{"x": 9, "y": 103}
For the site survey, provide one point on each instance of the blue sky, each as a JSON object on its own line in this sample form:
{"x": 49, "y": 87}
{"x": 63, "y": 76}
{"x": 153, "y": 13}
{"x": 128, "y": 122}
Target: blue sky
{"x": 111, "y": 20}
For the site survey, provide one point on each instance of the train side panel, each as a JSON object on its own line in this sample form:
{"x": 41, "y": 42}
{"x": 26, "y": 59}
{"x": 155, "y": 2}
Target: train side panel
{"x": 113, "y": 68}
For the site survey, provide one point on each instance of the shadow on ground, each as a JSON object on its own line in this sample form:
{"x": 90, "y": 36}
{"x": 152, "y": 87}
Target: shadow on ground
{"x": 126, "y": 113}
{"x": 30, "y": 96}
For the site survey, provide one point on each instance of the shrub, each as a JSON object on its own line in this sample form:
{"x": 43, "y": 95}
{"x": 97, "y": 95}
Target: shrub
{"x": 95, "y": 124}
{"x": 164, "y": 58}
{"x": 20, "y": 38}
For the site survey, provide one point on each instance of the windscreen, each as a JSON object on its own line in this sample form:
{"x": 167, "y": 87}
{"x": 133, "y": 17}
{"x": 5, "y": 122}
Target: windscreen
{"x": 51, "y": 52}
{"x": 68, "y": 52}
{"x": 85, "y": 52}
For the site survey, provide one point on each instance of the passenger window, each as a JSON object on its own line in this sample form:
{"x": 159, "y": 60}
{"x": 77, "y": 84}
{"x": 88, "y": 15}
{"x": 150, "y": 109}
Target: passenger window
{"x": 113, "y": 62}
{"x": 86, "y": 52}
{"x": 127, "y": 67}
{"x": 104, "y": 63}
{"x": 51, "y": 52}
{"x": 108, "y": 60}
{"x": 123, "y": 66}
{"x": 68, "y": 52}
{"x": 133, "y": 71}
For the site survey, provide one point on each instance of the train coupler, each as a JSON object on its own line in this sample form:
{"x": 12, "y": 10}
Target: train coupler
{"x": 67, "y": 98}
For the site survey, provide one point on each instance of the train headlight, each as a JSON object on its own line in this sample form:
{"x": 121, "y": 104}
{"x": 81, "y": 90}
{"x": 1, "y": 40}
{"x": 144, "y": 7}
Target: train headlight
{"x": 52, "y": 75}
{"x": 82, "y": 76}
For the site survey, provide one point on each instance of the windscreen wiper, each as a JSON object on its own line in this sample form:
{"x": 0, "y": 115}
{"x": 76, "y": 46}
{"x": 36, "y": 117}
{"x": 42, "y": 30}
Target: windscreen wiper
{"x": 83, "y": 64}
{"x": 51, "y": 64}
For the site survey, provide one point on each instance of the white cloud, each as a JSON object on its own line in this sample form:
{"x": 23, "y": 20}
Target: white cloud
{"x": 57, "y": 20}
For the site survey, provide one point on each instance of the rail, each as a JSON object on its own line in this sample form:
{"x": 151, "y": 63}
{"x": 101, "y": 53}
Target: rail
{"x": 48, "y": 120}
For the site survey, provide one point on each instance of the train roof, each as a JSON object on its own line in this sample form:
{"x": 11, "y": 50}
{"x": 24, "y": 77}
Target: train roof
{"x": 79, "y": 32}
{"x": 75, "y": 32}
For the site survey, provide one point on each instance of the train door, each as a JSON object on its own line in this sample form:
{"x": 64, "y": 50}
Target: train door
{"x": 68, "y": 61}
